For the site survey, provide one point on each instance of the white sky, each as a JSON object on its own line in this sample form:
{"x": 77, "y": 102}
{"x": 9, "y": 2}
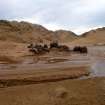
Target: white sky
{"x": 75, "y": 15}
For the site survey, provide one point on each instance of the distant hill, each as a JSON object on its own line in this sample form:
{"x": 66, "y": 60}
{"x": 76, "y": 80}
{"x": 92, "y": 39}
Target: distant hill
{"x": 92, "y": 37}
{"x": 25, "y": 32}
{"x": 65, "y": 36}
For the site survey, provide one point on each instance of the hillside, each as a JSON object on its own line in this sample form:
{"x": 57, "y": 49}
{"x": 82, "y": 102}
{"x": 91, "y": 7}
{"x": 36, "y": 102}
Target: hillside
{"x": 27, "y": 32}
{"x": 65, "y": 36}
{"x": 92, "y": 37}
{"x": 24, "y": 32}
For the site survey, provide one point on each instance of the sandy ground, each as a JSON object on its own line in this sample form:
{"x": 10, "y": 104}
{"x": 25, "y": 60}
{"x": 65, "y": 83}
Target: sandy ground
{"x": 66, "y": 92}
{"x": 52, "y": 79}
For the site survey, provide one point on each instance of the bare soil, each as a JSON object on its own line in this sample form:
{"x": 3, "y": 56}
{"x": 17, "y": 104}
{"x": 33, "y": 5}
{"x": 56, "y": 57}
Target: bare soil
{"x": 66, "y": 92}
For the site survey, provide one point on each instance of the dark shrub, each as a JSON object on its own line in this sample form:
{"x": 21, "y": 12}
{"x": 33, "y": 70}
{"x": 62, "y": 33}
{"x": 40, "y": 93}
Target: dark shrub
{"x": 80, "y": 49}
{"x": 30, "y": 46}
{"x": 33, "y": 50}
{"x": 77, "y": 49}
{"x": 38, "y": 49}
{"x": 45, "y": 46}
{"x": 54, "y": 45}
{"x": 64, "y": 48}
{"x": 84, "y": 50}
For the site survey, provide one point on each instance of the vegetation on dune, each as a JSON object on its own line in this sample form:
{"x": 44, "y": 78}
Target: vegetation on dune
{"x": 41, "y": 49}
{"x": 80, "y": 49}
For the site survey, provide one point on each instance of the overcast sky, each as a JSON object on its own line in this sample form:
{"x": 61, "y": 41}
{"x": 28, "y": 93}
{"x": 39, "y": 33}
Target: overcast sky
{"x": 75, "y": 15}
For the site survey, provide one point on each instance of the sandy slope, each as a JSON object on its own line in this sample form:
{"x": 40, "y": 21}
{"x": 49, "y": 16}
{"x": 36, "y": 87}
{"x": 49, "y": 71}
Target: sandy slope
{"x": 92, "y": 37}
{"x": 24, "y": 32}
{"x": 11, "y": 52}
